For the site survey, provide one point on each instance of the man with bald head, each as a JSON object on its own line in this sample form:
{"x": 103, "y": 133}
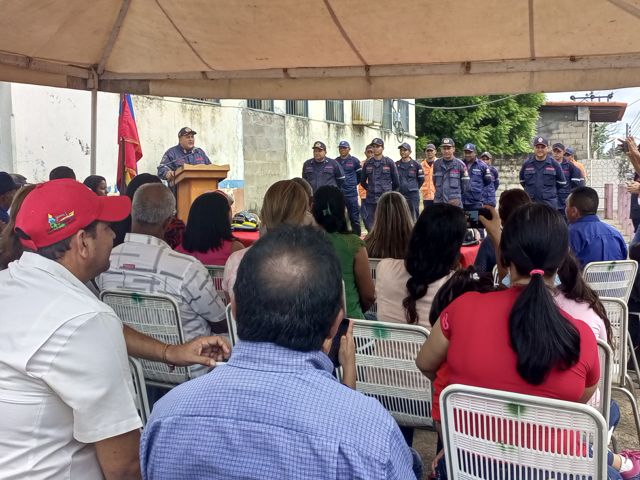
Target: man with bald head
{"x": 146, "y": 263}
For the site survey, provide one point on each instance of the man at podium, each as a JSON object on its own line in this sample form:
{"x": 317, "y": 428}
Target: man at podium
{"x": 183, "y": 153}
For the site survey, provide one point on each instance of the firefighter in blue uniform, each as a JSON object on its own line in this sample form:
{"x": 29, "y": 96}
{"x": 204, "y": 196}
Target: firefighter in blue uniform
{"x": 541, "y": 176}
{"x": 320, "y": 170}
{"x": 572, "y": 175}
{"x": 411, "y": 178}
{"x": 489, "y": 194}
{"x": 449, "y": 175}
{"x": 479, "y": 178}
{"x": 352, "y": 174}
{"x": 379, "y": 175}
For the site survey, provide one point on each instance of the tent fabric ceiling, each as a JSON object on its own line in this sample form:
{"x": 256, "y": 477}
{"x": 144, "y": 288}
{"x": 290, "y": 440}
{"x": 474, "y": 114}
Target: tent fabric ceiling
{"x": 312, "y": 49}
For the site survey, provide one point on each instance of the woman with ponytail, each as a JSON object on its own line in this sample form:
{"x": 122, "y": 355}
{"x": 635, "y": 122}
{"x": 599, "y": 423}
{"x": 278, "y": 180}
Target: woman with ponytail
{"x": 518, "y": 340}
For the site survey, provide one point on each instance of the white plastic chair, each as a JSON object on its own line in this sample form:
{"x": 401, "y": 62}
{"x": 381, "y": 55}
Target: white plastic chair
{"x": 490, "y": 434}
{"x": 496, "y": 276}
{"x": 140, "y": 390}
{"x": 386, "y": 369}
{"x": 603, "y": 394}
{"x": 611, "y": 279}
{"x": 216, "y": 273}
{"x": 231, "y": 326}
{"x": 157, "y": 316}
{"x": 621, "y": 381}
{"x": 373, "y": 264}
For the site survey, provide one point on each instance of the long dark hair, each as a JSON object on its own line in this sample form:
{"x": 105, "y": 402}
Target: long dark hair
{"x": 535, "y": 237}
{"x": 329, "y": 209}
{"x": 573, "y": 286}
{"x": 208, "y": 225}
{"x": 462, "y": 281}
{"x": 434, "y": 249}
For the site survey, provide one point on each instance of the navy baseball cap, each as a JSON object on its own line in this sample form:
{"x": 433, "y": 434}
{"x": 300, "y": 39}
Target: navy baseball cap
{"x": 319, "y": 145}
{"x": 569, "y": 151}
{"x": 405, "y": 145}
{"x": 431, "y": 146}
{"x": 447, "y": 142}
{"x": 540, "y": 141}
{"x": 344, "y": 144}
{"x": 186, "y": 131}
{"x": 558, "y": 145}
{"x": 486, "y": 154}
{"x": 6, "y": 183}
{"x": 377, "y": 141}
{"x": 469, "y": 147}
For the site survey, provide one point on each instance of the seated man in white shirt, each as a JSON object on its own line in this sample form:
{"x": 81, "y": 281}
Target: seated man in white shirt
{"x": 66, "y": 394}
{"x": 146, "y": 263}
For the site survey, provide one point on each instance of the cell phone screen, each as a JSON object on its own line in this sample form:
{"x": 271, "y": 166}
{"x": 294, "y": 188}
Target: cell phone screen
{"x": 335, "y": 344}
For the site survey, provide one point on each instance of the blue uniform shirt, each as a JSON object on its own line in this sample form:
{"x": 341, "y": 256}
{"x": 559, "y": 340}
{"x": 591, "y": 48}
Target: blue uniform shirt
{"x": 410, "y": 176}
{"x": 541, "y": 179}
{"x": 451, "y": 180}
{"x": 592, "y": 240}
{"x": 320, "y": 174}
{"x": 178, "y": 156}
{"x": 4, "y": 215}
{"x": 489, "y": 192}
{"x": 352, "y": 174}
{"x": 272, "y": 413}
{"x": 479, "y": 178}
{"x": 378, "y": 177}
{"x": 573, "y": 176}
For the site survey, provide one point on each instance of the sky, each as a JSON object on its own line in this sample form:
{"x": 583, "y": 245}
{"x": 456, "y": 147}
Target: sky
{"x": 627, "y": 95}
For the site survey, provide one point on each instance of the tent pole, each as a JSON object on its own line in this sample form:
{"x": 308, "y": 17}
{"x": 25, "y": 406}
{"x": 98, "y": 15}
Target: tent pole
{"x": 94, "y": 122}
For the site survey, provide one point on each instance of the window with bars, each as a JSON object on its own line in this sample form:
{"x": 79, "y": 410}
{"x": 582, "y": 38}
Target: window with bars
{"x": 335, "y": 111}
{"x": 208, "y": 101}
{"x": 403, "y": 111}
{"x": 298, "y": 107}
{"x": 266, "y": 105}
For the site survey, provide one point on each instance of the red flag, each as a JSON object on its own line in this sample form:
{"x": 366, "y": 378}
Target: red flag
{"x": 129, "y": 151}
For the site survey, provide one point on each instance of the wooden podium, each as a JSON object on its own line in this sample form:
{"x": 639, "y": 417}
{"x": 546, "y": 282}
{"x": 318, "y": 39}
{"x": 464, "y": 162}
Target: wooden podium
{"x": 194, "y": 180}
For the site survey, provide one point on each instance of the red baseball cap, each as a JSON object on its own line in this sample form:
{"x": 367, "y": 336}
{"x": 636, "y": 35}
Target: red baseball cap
{"x": 57, "y": 209}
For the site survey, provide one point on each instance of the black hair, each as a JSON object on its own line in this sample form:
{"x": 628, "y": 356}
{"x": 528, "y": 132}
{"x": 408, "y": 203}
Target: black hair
{"x": 208, "y": 224}
{"x": 535, "y": 237}
{"x": 329, "y": 209}
{"x": 574, "y": 287}
{"x": 434, "y": 250}
{"x": 289, "y": 289}
{"x": 585, "y": 199}
{"x": 510, "y": 200}
{"x": 93, "y": 181}
{"x": 62, "y": 172}
{"x": 462, "y": 281}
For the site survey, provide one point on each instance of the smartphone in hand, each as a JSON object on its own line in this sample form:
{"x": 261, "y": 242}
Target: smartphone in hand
{"x": 335, "y": 343}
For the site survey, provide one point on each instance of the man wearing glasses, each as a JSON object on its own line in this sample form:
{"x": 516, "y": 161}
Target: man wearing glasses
{"x": 572, "y": 175}
{"x": 541, "y": 176}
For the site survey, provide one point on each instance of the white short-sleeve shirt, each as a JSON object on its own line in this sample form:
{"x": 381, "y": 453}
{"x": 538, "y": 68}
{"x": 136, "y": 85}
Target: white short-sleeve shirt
{"x": 64, "y": 375}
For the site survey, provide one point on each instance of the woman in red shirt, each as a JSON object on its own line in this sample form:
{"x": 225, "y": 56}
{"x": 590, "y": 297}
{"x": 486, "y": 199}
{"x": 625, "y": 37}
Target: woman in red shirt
{"x": 526, "y": 343}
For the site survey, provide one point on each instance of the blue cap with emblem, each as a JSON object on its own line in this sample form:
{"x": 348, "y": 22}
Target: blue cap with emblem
{"x": 569, "y": 151}
{"x": 447, "y": 142}
{"x": 430, "y": 146}
{"x": 540, "y": 141}
{"x": 405, "y": 145}
{"x": 344, "y": 144}
{"x": 469, "y": 147}
{"x": 319, "y": 145}
{"x": 559, "y": 146}
{"x": 377, "y": 141}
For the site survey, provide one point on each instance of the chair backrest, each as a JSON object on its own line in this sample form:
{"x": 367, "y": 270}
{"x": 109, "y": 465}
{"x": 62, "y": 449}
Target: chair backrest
{"x": 231, "y": 326}
{"x": 601, "y": 400}
{"x": 617, "y": 314}
{"x": 386, "y": 369}
{"x": 157, "y": 316}
{"x": 611, "y": 279}
{"x": 216, "y": 272}
{"x": 140, "y": 389}
{"x": 373, "y": 264}
{"x": 493, "y": 434}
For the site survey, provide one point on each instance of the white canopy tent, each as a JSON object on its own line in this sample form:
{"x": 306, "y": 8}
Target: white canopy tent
{"x": 315, "y": 49}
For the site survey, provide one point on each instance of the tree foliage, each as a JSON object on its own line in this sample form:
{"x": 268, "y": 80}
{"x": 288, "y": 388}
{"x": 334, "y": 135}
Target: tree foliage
{"x": 599, "y": 139}
{"x": 505, "y": 127}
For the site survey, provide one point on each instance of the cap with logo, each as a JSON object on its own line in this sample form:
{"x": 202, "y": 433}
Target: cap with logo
{"x": 377, "y": 141}
{"x": 57, "y": 209}
{"x": 486, "y": 154}
{"x": 540, "y": 141}
{"x": 6, "y": 183}
{"x": 430, "y": 146}
{"x": 447, "y": 142}
{"x": 469, "y": 147}
{"x": 186, "y": 131}
{"x": 405, "y": 145}
{"x": 569, "y": 151}
{"x": 319, "y": 145}
{"x": 559, "y": 146}
{"x": 344, "y": 144}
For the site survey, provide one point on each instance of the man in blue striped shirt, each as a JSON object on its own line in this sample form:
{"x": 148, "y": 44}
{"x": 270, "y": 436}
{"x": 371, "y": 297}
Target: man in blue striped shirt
{"x": 275, "y": 411}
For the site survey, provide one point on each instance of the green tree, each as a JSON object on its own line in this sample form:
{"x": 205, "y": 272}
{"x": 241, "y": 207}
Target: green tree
{"x": 504, "y": 127}
{"x": 599, "y": 139}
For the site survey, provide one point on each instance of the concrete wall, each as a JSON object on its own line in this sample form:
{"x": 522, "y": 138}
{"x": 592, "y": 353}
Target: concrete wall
{"x": 572, "y": 133}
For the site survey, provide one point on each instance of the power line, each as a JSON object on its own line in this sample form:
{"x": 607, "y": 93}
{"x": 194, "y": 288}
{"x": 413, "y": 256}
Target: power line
{"x": 431, "y": 107}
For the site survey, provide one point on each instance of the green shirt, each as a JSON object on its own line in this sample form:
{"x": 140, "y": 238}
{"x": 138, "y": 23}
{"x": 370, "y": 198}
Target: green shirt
{"x": 346, "y": 246}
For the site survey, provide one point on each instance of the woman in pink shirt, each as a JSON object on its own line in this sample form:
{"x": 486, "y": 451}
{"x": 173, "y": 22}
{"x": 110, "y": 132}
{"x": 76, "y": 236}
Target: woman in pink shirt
{"x": 208, "y": 234}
